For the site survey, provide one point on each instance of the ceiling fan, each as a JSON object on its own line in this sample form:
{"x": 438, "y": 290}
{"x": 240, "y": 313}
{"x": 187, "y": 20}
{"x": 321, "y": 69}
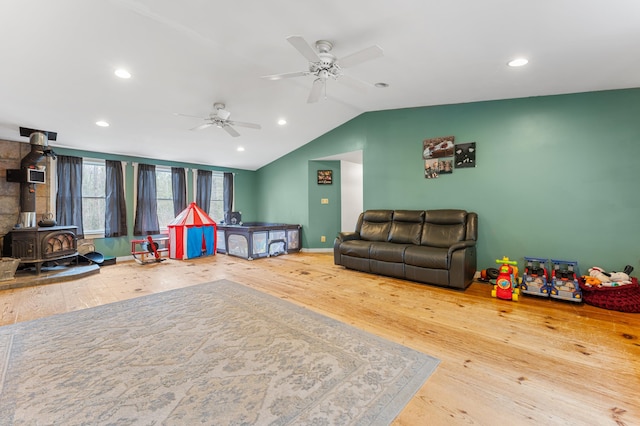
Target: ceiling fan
{"x": 324, "y": 65}
{"x": 220, "y": 118}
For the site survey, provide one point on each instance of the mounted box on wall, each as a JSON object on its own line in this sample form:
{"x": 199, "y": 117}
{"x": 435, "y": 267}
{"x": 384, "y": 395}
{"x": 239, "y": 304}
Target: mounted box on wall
{"x": 26, "y": 175}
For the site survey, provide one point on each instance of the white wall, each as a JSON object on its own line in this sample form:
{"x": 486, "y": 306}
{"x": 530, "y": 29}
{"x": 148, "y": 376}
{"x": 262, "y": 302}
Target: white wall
{"x": 351, "y": 194}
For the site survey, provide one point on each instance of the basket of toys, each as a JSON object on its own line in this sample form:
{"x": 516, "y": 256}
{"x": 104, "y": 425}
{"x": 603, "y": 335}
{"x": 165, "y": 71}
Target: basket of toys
{"x": 623, "y": 298}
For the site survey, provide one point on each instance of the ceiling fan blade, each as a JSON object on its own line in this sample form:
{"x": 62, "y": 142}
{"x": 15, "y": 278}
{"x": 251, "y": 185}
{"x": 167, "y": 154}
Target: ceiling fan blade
{"x": 202, "y": 126}
{"x": 304, "y": 48}
{"x": 285, "y": 75}
{"x": 243, "y": 124}
{"x": 187, "y": 115}
{"x": 364, "y": 55}
{"x": 230, "y": 130}
{"x": 316, "y": 90}
{"x": 355, "y": 83}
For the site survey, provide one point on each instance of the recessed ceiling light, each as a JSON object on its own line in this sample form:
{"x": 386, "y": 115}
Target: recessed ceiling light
{"x": 240, "y": 149}
{"x": 381, "y": 85}
{"x": 122, "y": 73}
{"x": 518, "y": 62}
{"x": 282, "y": 122}
{"x": 102, "y": 124}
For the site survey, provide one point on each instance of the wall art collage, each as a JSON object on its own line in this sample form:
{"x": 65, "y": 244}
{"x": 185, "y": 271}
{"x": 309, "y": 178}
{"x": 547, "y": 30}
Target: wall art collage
{"x": 442, "y": 155}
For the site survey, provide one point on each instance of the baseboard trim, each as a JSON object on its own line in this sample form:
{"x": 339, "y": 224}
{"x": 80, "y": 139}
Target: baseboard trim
{"x": 317, "y": 250}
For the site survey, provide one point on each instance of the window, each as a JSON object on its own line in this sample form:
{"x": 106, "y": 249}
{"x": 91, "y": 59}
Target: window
{"x": 93, "y": 196}
{"x": 216, "y": 206}
{"x": 164, "y": 196}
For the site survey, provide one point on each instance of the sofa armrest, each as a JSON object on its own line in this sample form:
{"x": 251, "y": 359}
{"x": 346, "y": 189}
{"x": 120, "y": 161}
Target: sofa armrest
{"x": 461, "y": 245}
{"x": 462, "y": 264}
{"x": 347, "y": 236}
{"x": 341, "y": 238}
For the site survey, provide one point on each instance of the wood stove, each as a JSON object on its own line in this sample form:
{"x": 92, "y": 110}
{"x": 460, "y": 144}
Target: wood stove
{"x": 36, "y": 246}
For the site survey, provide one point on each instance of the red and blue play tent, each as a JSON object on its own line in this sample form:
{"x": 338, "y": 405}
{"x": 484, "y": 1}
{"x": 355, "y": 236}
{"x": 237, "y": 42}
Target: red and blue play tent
{"x": 192, "y": 234}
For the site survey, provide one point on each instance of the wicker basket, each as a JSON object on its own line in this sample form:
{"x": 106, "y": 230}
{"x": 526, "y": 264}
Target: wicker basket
{"x": 625, "y": 298}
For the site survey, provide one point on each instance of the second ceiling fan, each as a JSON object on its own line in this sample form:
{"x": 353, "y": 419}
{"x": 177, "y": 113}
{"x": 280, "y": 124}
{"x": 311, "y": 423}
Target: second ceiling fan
{"x": 220, "y": 118}
{"x": 323, "y": 65}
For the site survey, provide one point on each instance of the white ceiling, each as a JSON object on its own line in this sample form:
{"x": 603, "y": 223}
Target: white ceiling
{"x": 57, "y": 60}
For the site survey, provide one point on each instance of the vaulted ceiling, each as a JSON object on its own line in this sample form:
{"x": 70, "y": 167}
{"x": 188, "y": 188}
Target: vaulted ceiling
{"x": 57, "y": 63}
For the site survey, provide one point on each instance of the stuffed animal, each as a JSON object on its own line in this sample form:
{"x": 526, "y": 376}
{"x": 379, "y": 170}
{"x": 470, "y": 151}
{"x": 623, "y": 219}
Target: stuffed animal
{"x": 619, "y": 277}
{"x": 607, "y": 280}
{"x": 598, "y": 273}
{"x": 592, "y": 281}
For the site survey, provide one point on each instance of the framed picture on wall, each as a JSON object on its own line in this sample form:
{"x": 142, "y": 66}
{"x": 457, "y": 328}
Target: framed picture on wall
{"x": 465, "y": 155}
{"x": 325, "y": 177}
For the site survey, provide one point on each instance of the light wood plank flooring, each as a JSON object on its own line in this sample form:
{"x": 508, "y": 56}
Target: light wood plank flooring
{"x": 535, "y": 361}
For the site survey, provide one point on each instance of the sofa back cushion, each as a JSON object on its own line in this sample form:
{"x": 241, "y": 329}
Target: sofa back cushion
{"x": 376, "y": 225}
{"x": 442, "y": 228}
{"x": 406, "y": 227}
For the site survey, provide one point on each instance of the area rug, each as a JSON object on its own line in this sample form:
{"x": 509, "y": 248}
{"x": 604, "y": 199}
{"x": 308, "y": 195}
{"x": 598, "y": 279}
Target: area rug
{"x": 216, "y": 353}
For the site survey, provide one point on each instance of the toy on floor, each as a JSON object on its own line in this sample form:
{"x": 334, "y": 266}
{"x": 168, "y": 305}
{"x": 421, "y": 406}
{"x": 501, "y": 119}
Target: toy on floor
{"x": 564, "y": 281}
{"x": 149, "y": 248}
{"x": 488, "y": 275}
{"x": 599, "y": 278}
{"x": 506, "y": 286}
{"x": 535, "y": 280}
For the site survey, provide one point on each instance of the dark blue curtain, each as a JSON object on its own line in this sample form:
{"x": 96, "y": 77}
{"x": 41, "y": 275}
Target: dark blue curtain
{"x": 115, "y": 212}
{"x": 227, "y": 196}
{"x": 179, "y": 188}
{"x": 69, "y": 195}
{"x": 146, "y": 222}
{"x": 203, "y": 189}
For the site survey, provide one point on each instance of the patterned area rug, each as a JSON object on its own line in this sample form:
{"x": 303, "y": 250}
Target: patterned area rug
{"x": 216, "y": 353}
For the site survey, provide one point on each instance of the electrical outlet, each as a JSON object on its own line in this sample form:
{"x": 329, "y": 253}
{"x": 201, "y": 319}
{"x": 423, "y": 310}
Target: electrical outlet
{"x": 323, "y": 239}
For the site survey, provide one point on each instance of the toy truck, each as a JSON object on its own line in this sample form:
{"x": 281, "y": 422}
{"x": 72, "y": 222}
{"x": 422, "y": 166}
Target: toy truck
{"x": 535, "y": 280}
{"x": 564, "y": 281}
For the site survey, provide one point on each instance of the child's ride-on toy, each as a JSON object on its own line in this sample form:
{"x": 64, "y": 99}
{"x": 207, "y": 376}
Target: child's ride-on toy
{"x": 535, "y": 280}
{"x": 564, "y": 281}
{"x": 506, "y": 286}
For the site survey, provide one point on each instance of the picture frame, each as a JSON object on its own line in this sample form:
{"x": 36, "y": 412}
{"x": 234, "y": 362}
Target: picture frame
{"x": 325, "y": 177}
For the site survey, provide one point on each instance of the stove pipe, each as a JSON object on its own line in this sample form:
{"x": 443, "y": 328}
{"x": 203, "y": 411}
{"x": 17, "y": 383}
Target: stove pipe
{"x": 32, "y": 171}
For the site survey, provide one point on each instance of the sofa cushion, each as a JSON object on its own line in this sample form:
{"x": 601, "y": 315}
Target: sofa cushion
{"x": 427, "y": 257}
{"x": 414, "y": 216}
{"x": 355, "y": 248}
{"x": 443, "y": 228}
{"x": 406, "y": 227}
{"x": 387, "y": 252}
{"x": 376, "y": 225}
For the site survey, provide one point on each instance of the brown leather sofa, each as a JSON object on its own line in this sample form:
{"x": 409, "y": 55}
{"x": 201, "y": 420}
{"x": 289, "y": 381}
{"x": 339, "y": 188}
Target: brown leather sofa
{"x": 430, "y": 246}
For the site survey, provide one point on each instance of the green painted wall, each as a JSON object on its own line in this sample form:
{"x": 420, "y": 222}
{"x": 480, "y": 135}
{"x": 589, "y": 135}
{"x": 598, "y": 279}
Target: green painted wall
{"x": 244, "y": 184}
{"x": 288, "y": 191}
{"x": 556, "y": 176}
{"x": 325, "y": 217}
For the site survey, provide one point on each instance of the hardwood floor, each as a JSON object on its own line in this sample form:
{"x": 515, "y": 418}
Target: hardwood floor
{"x": 535, "y": 361}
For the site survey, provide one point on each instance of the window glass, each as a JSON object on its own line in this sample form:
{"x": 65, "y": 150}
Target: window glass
{"x": 93, "y": 196}
{"x": 164, "y": 196}
{"x": 216, "y": 207}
